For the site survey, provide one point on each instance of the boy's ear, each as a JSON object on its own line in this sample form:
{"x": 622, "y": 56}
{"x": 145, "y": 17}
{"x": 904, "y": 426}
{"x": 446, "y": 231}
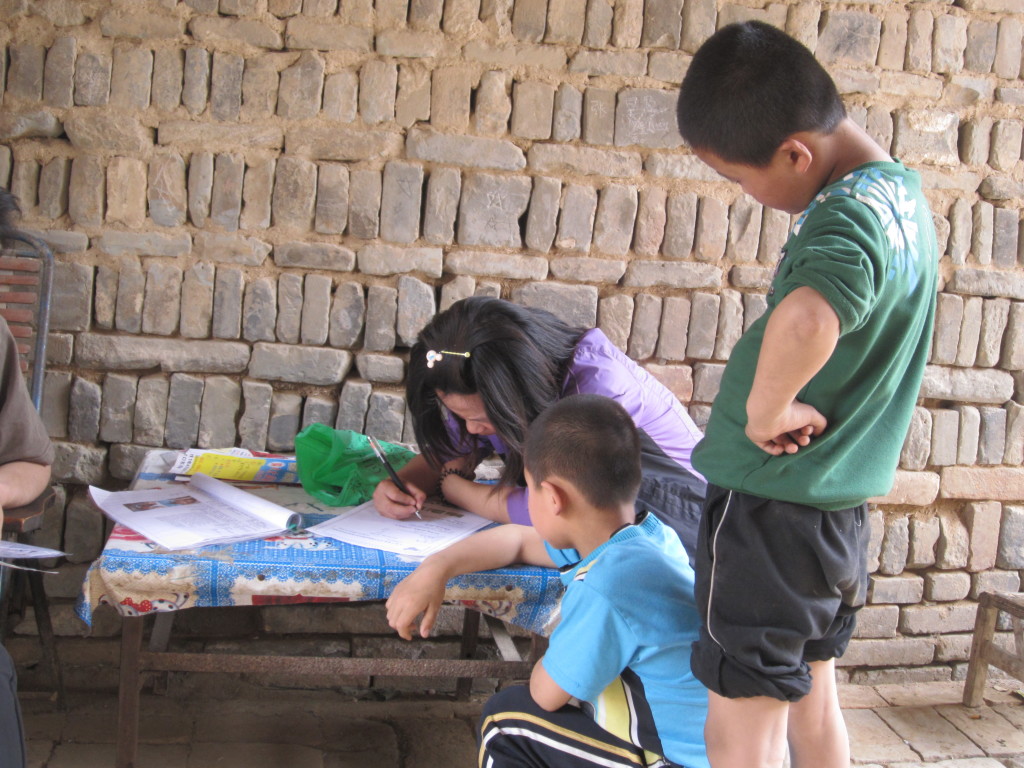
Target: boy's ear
{"x": 797, "y": 153}
{"x": 555, "y": 494}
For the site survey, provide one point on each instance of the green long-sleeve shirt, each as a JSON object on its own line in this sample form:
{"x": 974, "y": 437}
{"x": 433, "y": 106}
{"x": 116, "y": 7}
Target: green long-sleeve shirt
{"x": 867, "y": 245}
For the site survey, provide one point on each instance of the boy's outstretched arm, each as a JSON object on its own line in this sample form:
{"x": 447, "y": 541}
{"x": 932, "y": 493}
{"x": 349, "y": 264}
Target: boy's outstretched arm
{"x": 799, "y": 339}
{"x": 422, "y": 591}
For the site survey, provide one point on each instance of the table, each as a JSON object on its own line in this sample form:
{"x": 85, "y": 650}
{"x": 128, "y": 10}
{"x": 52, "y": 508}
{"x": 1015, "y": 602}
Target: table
{"x": 140, "y": 580}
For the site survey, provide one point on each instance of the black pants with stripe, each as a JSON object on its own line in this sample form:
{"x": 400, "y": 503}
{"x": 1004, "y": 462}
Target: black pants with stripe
{"x": 778, "y": 586}
{"x": 516, "y": 733}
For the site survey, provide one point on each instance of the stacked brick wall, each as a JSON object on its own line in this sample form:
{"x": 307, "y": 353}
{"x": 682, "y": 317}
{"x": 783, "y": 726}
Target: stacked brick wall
{"x": 256, "y": 204}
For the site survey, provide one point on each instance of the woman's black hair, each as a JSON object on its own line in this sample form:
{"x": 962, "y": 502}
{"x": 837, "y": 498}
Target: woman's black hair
{"x": 518, "y": 360}
{"x": 750, "y": 87}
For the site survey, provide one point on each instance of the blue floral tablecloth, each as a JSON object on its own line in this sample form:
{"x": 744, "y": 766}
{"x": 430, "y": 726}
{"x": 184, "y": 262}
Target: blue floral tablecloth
{"x": 136, "y": 577}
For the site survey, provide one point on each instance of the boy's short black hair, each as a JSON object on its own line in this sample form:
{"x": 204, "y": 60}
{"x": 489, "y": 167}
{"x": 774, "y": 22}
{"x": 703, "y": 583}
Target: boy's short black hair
{"x": 590, "y": 441}
{"x": 749, "y": 87}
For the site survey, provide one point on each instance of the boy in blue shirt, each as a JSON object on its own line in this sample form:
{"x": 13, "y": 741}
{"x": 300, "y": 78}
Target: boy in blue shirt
{"x": 815, "y": 400}
{"x": 622, "y": 646}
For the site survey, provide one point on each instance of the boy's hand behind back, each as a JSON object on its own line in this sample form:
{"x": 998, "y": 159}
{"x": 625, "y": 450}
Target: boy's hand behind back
{"x": 789, "y": 431}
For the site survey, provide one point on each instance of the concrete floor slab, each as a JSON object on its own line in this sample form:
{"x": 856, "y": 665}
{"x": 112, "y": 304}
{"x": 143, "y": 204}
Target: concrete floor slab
{"x": 987, "y": 727}
{"x": 359, "y": 743}
{"x": 238, "y": 724}
{"x": 873, "y": 741}
{"x": 44, "y": 726}
{"x": 432, "y": 743}
{"x": 929, "y": 734}
{"x": 860, "y": 697}
{"x": 1012, "y": 712}
{"x": 967, "y": 762}
{"x": 38, "y": 752}
{"x": 72, "y": 755}
{"x": 249, "y": 755}
{"x": 333, "y": 729}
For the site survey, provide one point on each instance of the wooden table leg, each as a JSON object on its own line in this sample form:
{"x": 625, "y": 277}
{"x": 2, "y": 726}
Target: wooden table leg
{"x": 977, "y": 668}
{"x": 128, "y": 692}
{"x": 46, "y": 638}
{"x": 160, "y": 636}
{"x": 159, "y": 640}
{"x": 470, "y": 636}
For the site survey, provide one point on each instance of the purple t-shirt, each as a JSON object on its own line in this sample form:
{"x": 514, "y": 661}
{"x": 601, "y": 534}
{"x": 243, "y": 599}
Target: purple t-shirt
{"x": 601, "y": 368}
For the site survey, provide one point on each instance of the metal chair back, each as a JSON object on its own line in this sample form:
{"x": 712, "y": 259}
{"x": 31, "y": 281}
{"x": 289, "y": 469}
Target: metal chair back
{"x": 26, "y": 283}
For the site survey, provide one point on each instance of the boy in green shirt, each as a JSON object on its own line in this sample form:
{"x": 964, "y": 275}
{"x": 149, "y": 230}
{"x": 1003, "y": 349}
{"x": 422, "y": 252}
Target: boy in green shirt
{"x": 816, "y": 398}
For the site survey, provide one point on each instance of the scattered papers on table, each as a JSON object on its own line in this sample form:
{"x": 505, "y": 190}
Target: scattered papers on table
{"x": 413, "y": 537}
{"x": 237, "y": 464}
{"x": 14, "y": 550}
{"x": 198, "y": 513}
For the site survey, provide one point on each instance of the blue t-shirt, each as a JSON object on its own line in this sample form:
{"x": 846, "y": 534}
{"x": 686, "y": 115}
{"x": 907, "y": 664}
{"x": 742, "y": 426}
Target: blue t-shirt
{"x": 622, "y": 646}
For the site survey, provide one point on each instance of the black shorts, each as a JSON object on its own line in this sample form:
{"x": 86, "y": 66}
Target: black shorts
{"x": 778, "y": 585}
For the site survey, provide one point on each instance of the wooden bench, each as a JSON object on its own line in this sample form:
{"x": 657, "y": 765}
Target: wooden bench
{"x": 983, "y": 649}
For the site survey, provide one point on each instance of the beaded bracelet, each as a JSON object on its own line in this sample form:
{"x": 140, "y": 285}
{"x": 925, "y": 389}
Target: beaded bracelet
{"x": 445, "y": 473}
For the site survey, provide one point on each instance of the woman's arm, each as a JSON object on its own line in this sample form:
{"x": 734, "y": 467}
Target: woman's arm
{"x": 421, "y": 480}
{"x": 21, "y": 482}
{"x": 479, "y": 498}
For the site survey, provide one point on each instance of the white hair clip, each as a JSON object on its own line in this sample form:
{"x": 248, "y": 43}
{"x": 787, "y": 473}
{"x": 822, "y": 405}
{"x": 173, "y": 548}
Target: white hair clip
{"x": 435, "y": 357}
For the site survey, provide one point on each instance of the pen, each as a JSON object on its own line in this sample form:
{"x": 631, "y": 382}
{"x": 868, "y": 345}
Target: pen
{"x": 391, "y": 470}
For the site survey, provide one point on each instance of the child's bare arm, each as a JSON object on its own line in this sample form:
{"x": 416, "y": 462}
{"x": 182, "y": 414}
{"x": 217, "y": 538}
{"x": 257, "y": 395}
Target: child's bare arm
{"x": 799, "y": 339}
{"x": 422, "y": 591}
{"x": 545, "y": 691}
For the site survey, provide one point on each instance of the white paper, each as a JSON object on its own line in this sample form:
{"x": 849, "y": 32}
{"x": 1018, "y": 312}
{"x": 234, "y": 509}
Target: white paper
{"x": 413, "y": 537}
{"x": 15, "y": 550}
{"x": 201, "y": 512}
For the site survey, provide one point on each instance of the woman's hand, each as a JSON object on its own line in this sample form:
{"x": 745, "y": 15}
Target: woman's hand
{"x": 392, "y": 502}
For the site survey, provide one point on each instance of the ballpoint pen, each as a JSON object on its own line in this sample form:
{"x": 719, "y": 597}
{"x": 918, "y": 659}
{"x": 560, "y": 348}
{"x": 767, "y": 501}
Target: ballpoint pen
{"x": 391, "y": 470}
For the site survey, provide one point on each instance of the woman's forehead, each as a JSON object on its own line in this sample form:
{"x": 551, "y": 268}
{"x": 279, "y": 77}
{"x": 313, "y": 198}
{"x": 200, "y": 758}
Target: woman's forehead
{"x": 463, "y": 406}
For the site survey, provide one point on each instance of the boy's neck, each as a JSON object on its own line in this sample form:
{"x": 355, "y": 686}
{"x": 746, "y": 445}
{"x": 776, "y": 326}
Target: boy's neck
{"x": 846, "y": 148}
{"x": 591, "y": 527}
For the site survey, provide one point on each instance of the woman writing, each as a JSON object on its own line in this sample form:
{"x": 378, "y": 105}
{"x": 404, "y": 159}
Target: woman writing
{"x": 481, "y": 371}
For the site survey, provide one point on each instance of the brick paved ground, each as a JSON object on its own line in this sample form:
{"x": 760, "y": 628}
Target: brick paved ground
{"x": 891, "y": 726}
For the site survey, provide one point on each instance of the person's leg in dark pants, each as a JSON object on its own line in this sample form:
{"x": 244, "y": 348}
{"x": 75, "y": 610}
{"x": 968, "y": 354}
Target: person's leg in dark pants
{"x": 12, "y": 739}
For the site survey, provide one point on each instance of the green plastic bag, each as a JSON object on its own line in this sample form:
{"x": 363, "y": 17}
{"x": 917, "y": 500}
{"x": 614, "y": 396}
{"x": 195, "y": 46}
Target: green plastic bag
{"x": 338, "y": 466}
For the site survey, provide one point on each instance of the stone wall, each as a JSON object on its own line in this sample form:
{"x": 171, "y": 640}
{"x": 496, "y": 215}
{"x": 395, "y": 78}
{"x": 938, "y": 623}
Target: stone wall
{"x": 255, "y": 205}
